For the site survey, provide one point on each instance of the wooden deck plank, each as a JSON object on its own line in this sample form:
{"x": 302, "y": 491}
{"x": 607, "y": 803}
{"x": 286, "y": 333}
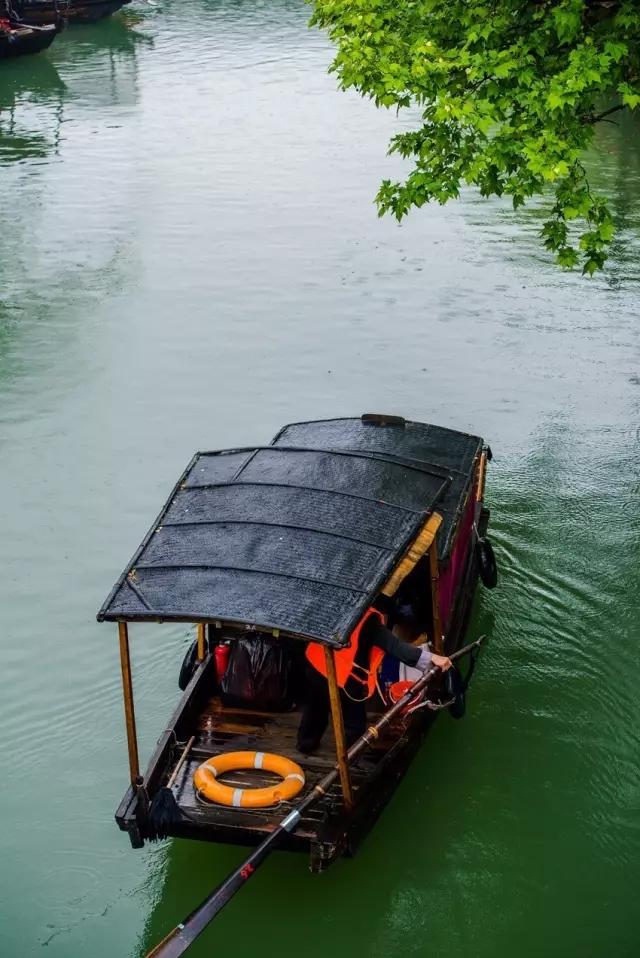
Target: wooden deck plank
{"x": 248, "y": 729}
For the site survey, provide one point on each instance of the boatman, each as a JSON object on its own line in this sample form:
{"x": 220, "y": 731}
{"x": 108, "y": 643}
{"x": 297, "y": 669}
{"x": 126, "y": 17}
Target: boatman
{"x": 356, "y": 670}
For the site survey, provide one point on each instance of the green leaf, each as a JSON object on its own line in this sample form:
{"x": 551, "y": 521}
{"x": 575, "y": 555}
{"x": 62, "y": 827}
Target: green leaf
{"x": 630, "y": 97}
{"x": 606, "y": 231}
{"x": 567, "y": 257}
{"x": 568, "y": 19}
{"x": 616, "y": 50}
{"x": 505, "y": 68}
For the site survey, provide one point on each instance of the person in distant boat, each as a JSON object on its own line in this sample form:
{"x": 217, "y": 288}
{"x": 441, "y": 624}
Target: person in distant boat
{"x": 356, "y": 669}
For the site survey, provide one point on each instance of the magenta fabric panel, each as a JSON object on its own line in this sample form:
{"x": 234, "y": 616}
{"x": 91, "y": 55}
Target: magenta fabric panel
{"x": 449, "y": 581}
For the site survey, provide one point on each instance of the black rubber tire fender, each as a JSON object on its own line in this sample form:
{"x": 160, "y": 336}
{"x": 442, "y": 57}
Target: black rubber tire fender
{"x": 487, "y": 566}
{"x": 189, "y": 665}
{"x": 454, "y": 689}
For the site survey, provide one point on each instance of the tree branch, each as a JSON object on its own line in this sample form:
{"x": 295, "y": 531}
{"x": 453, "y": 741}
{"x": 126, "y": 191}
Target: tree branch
{"x": 595, "y": 118}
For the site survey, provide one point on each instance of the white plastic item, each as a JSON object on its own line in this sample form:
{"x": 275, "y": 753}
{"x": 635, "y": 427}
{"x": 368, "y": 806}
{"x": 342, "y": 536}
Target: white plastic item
{"x": 407, "y": 673}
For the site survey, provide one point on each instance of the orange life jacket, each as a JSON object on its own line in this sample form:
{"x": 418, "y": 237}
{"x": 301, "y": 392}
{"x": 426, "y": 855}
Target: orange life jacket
{"x": 346, "y": 666}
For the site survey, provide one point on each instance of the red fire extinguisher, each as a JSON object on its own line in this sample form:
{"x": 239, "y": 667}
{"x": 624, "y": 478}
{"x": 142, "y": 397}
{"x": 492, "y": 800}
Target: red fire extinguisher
{"x": 221, "y": 653}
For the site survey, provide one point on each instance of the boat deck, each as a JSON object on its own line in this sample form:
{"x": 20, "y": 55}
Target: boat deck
{"x": 220, "y": 729}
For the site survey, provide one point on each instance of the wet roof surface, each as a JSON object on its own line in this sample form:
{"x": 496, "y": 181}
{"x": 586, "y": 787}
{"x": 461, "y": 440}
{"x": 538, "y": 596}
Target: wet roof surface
{"x": 455, "y": 452}
{"x": 298, "y": 536}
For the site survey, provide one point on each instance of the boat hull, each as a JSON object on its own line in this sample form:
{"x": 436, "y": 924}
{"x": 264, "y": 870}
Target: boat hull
{"x": 43, "y": 12}
{"x": 23, "y": 41}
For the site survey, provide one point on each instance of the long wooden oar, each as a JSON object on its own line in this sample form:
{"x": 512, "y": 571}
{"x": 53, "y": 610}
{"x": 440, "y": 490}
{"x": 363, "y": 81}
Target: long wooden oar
{"x": 184, "y": 934}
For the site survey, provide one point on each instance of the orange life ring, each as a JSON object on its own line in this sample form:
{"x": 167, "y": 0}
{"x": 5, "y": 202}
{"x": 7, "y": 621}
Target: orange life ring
{"x": 205, "y": 779}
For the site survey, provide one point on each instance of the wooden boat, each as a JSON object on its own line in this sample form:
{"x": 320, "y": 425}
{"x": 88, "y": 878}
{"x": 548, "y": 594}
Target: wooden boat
{"x": 296, "y": 540}
{"x": 41, "y": 12}
{"x": 18, "y": 39}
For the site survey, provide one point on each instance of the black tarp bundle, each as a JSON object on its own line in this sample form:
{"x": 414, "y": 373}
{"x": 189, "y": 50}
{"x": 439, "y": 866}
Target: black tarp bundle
{"x": 260, "y": 673}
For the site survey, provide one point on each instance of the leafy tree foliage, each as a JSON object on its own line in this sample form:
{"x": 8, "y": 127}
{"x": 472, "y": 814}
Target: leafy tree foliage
{"x": 508, "y": 92}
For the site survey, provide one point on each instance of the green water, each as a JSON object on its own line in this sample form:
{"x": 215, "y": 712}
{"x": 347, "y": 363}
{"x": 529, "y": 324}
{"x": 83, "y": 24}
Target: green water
{"x": 189, "y": 257}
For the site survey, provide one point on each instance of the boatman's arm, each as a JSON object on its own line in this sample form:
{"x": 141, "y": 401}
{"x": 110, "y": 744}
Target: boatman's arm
{"x": 377, "y": 634}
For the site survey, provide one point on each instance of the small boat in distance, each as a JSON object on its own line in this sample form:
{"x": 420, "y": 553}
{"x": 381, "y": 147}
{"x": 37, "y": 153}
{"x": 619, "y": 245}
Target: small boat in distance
{"x": 44, "y": 12}
{"x": 18, "y": 39}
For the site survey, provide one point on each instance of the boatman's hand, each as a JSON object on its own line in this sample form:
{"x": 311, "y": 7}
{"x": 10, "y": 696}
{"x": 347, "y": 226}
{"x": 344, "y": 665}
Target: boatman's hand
{"x": 442, "y": 661}
{"x": 428, "y": 659}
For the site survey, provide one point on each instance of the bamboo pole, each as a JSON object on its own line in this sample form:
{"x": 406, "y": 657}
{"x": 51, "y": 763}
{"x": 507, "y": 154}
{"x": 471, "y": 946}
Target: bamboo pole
{"x": 182, "y": 760}
{"x": 201, "y": 641}
{"x": 435, "y": 598}
{"x": 338, "y": 727}
{"x": 129, "y": 712}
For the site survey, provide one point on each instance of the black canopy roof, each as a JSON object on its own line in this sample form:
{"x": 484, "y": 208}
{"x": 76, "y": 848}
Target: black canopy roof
{"x": 413, "y": 442}
{"x": 297, "y": 536}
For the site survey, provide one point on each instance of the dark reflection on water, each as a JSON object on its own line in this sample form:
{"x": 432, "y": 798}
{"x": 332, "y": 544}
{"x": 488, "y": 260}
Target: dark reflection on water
{"x": 101, "y": 63}
{"x": 118, "y": 37}
{"x": 190, "y": 257}
{"x": 93, "y": 67}
{"x": 33, "y": 83}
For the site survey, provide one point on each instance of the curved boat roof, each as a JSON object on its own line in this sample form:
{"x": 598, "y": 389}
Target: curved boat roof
{"x": 412, "y": 442}
{"x": 299, "y": 536}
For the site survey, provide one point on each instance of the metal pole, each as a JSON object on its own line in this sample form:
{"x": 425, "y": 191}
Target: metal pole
{"x": 435, "y": 599}
{"x": 338, "y": 727}
{"x": 201, "y": 642}
{"x": 129, "y": 713}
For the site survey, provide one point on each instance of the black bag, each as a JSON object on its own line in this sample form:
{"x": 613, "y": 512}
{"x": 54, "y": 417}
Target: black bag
{"x": 259, "y": 674}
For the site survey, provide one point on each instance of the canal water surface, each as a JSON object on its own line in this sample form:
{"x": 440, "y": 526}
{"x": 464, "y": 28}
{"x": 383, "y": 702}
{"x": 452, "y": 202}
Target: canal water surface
{"x": 190, "y": 257}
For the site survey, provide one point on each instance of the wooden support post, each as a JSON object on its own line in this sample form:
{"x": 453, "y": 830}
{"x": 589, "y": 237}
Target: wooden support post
{"x": 338, "y": 728}
{"x": 435, "y": 600}
{"x": 201, "y": 641}
{"x": 482, "y": 476}
{"x": 129, "y": 713}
